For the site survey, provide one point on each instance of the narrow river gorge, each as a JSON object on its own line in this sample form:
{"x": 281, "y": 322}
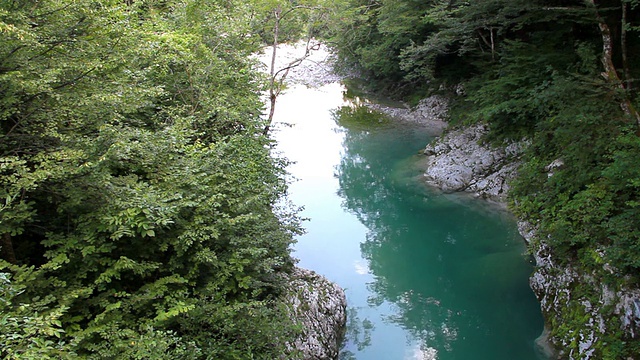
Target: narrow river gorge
{"x": 427, "y": 275}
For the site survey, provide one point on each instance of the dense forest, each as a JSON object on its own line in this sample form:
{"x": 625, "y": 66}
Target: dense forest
{"x": 139, "y": 202}
{"x": 560, "y": 75}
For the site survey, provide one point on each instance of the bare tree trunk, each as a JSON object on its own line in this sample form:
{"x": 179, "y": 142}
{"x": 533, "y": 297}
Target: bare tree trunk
{"x": 7, "y": 249}
{"x": 490, "y": 43}
{"x": 623, "y": 45}
{"x": 493, "y": 45}
{"x": 272, "y": 71}
{"x": 278, "y": 77}
{"x": 610, "y": 73}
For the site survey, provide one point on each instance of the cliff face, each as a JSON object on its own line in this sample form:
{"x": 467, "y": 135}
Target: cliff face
{"x": 578, "y": 308}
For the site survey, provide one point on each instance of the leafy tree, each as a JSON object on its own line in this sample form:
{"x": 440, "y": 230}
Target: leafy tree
{"x": 288, "y": 20}
{"x": 138, "y": 215}
{"x": 371, "y": 35}
{"x": 25, "y": 332}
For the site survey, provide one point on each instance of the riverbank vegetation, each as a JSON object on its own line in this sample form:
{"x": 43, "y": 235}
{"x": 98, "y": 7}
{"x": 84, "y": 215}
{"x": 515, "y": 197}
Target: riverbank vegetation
{"x": 138, "y": 197}
{"x": 138, "y": 206}
{"x": 562, "y": 74}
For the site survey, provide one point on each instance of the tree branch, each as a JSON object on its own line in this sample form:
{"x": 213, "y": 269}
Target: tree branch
{"x": 274, "y": 91}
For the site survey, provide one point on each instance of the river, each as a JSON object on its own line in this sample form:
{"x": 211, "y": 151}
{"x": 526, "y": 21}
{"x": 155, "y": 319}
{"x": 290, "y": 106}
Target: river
{"x": 427, "y": 275}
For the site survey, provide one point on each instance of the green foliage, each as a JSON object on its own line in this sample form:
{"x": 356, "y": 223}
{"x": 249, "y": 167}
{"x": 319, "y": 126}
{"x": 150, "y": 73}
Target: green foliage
{"x": 137, "y": 190}
{"x": 371, "y": 35}
{"x": 29, "y": 331}
{"x": 587, "y": 201}
{"x": 295, "y": 19}
{"x": 406, "y": 46}
{"x": 530, "y": 83}
{"x": 147, "y": 343}
{"x": 249, "y": 329}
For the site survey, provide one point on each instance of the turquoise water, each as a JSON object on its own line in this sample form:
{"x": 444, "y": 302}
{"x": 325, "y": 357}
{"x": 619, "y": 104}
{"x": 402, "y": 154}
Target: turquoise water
{"x": 427, "y": 275}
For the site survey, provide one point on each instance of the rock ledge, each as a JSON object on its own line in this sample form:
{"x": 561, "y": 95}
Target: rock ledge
{"x": 459, "y": 161}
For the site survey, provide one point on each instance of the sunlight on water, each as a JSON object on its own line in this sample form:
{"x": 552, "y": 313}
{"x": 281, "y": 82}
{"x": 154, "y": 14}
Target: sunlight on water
{"x": 427, "y": 275}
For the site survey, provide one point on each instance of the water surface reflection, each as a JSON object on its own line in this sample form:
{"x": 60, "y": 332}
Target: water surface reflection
{"x": 427, "y": 275}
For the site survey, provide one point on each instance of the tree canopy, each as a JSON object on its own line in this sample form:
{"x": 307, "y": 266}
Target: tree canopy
{"x": 139, "y": 212}
{"x": 139, "y": 207}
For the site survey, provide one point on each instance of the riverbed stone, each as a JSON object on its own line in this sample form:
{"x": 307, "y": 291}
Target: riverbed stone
{"x": 320, "y": 307}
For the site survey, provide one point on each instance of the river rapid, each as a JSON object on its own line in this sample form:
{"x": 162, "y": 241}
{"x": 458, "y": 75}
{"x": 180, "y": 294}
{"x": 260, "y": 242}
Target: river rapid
{"x": 427, "y": 275}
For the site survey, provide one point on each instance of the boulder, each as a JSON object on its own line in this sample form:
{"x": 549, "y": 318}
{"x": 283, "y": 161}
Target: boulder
{"x": 460, "y": 161}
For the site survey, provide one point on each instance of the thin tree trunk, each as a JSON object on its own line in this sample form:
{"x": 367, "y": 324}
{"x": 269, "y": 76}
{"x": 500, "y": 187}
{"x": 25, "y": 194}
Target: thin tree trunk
{"x": 490, "y": 43}
{"x": 278, "y": 77}
{"x": 610, "y": 74}
{"x": 623, "y": 45}
{"x": 493, "y": 45}
{"x": 7, "y": 249}
{"x": 272, "y": 71}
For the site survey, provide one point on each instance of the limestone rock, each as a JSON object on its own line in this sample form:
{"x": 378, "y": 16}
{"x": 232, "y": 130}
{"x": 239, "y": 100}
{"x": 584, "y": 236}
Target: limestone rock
{"x": 320, "y": 307}
{"x": 459, "y": 161}
{"x": 551, "y": 282}
{"x": 555, "y": 165}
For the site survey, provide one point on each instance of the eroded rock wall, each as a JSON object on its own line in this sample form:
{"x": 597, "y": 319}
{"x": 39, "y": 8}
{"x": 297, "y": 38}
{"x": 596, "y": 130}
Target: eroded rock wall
{"x": 580, "y": 308}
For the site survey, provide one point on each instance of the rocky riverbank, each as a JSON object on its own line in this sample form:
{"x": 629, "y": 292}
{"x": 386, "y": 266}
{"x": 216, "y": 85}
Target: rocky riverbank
{"x": 560, "y": 291}
{"x": 430, "y": 112}
{"x": 320, "y": 306}
{"x": 578, "y": 309}
{"x": 315, "y": 68}
{"x": 460, "y": 161}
